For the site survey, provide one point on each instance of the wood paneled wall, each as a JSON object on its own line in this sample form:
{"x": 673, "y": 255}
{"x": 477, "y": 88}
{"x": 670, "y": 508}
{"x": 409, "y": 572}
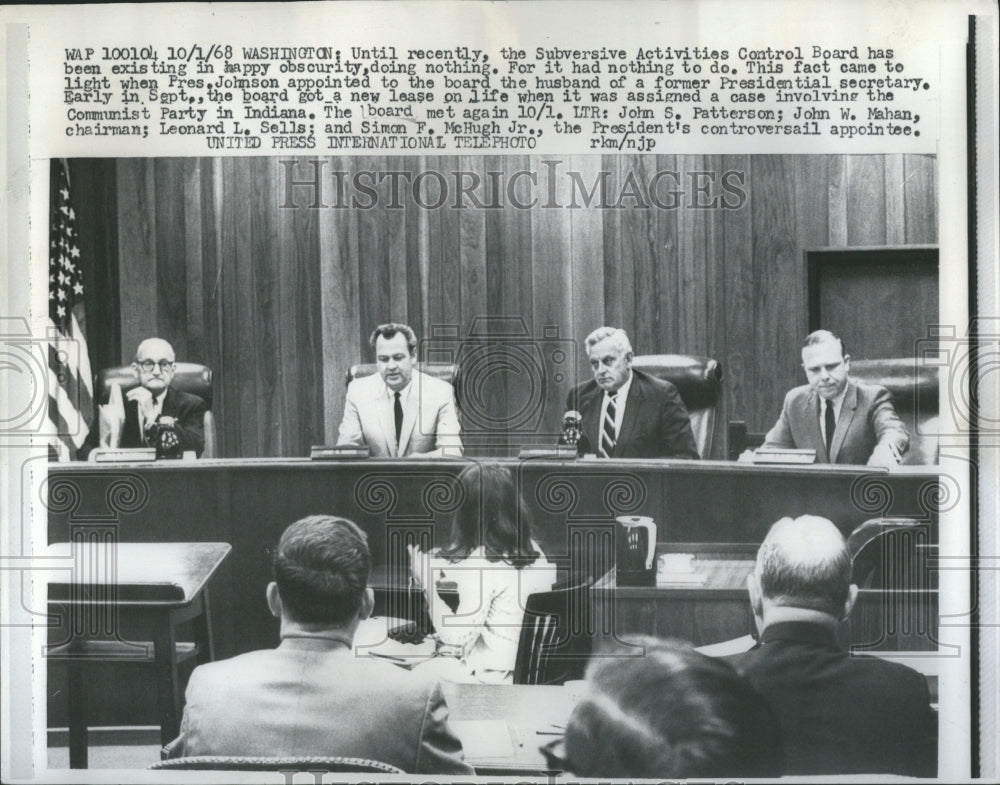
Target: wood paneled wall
{"x": 280, "y": 301}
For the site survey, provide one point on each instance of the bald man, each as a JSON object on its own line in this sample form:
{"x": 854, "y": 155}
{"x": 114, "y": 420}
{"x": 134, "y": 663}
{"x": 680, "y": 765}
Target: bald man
{"x": 839, "y": 714}
{"x": 154, "y": 405}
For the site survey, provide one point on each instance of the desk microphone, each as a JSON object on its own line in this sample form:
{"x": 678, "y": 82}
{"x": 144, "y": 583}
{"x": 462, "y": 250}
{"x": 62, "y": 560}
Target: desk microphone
{"x": 572, "y": 433}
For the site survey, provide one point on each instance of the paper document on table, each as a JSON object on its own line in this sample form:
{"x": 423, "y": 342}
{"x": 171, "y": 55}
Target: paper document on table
{"x": 484, "y": 738}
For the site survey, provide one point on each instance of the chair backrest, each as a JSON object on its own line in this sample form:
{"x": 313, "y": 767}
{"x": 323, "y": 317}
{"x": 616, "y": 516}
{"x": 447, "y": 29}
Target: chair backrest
{"x": 191, "y": 378}
{"x": 897, "y": 598}
{"x": 914, "y": 389}
{"x": 254, "y": 763}
{"x": 556, "y": 636}
{"x": 699, "y": 382}
{"x": 446, "y": 372}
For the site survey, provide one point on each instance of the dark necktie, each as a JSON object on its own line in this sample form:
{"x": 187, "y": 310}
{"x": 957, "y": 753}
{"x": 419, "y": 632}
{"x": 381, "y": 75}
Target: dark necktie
{"x": 831, "y": 426}
{"x": 397, "y": 408}
{"x": 608, "y": 429}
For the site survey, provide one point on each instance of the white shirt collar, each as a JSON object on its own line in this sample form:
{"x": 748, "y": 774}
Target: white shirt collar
{"x": 404, "y": 394}
{"x": 621, "y": 394}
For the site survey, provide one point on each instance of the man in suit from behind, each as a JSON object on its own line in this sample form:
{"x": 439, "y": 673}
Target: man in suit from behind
{"x": 839, "y": 714}
{"x": 844, "y": 421}
{"x": 155, "y": 406}
{"x": 400, "y": 412}
{"x": 627, "y": 413}
{"x": 312, "y": 696}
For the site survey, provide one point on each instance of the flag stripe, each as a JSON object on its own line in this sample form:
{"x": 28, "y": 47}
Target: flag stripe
{"x": 71, "y": 391}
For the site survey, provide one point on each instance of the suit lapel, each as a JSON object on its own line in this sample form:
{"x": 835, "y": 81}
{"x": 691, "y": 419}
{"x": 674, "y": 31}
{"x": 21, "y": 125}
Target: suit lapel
{"x": 810, "y": 414}
{"x": 591, "y": 411}
{"x": 631, "y": 417}
{"x": 847, "y": 412}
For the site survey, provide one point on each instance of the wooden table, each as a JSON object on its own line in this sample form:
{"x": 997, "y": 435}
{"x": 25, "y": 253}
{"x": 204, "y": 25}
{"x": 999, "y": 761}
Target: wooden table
{"x": 110, "y": 589}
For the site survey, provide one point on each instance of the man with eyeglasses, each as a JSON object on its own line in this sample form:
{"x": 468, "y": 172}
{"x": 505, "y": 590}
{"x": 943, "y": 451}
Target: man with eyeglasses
{"x": 155, "y": 414}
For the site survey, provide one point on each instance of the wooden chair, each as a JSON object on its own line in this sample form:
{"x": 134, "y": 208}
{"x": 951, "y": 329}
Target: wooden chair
{"x": 556, "y": 636}
{"x": 312, "y": 765}
{"x": 897, "y": 591}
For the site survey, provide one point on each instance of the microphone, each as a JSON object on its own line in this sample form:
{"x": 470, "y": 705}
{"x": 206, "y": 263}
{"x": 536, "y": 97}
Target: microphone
{"x": 572, "y": 433}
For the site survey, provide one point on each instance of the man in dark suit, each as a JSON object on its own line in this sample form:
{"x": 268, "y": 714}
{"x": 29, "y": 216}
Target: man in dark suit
{"x": 627, "y": 413}
{"x": 839, "y": 714}
{"x": 844, "y": 421}
{"x": 153, "y": 414}
{"x": 312, "y": 696}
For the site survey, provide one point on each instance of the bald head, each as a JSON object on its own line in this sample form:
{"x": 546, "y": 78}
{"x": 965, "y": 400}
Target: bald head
{"x": 804, "y": 563}
{"x": 156, "y": 346}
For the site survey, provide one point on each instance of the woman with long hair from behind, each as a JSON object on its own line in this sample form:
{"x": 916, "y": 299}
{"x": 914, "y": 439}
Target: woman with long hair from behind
{"x": 478, "y": 583}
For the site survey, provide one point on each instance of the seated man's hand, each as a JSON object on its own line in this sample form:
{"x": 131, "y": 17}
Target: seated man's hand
{"x": 883, "y": 456}
{"x": 144, "y": 398}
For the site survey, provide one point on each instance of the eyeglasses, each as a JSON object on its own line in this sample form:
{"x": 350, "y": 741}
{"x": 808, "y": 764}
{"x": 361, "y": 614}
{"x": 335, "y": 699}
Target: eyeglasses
{"x": 149, "y": 365}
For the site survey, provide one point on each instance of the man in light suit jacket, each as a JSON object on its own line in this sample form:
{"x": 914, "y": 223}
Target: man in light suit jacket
{"x": 839, "y": 714}
{"x": 844, "y": 421}
{"x": 312, "y": 696}
{"x": 400, "y": 411}
{"x": 627, "y": 413}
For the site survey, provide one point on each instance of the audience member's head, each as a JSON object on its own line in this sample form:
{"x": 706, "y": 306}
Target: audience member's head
{"x": 803, "y": 570}
{"x": 490, "y": 513}
{"x": 670, "y": 712}
{"x": 321, "y": 570}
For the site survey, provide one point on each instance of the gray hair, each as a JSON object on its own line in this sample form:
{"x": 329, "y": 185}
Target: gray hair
{"x": 618, "y": 336}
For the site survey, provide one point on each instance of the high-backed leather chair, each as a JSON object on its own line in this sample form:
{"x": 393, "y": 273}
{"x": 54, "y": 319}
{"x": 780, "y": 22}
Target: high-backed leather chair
{"x": 914, "y": 389}
{"x": 699, "y": 382}
{"x": 446, "y": 372}
{"x": 191, "y": 378}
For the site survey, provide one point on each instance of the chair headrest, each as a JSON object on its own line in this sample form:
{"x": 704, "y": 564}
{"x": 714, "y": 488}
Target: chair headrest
{"x": 911, "y": 383}
{"x": 697, "y": 379}
{"x": 446, "y": 372}
{"x": 191, "y": 378}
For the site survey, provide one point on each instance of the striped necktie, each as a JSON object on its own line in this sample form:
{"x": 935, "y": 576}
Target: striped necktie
{"x": 608, "y": 429}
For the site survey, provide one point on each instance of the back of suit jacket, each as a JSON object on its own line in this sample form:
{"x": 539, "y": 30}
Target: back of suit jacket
{"x": 841, "y": 714}
{"x": 306, "y": 699}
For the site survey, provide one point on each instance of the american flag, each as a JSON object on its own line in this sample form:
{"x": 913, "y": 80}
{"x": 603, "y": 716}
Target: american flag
{"x": 71, "y": 387}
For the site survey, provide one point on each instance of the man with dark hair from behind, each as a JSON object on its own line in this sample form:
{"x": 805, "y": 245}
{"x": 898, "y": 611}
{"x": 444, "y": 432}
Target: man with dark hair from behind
{"x": 839, "y": 714}
{"x": 661, "y": 710}
{"x": 312, "y": 696}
